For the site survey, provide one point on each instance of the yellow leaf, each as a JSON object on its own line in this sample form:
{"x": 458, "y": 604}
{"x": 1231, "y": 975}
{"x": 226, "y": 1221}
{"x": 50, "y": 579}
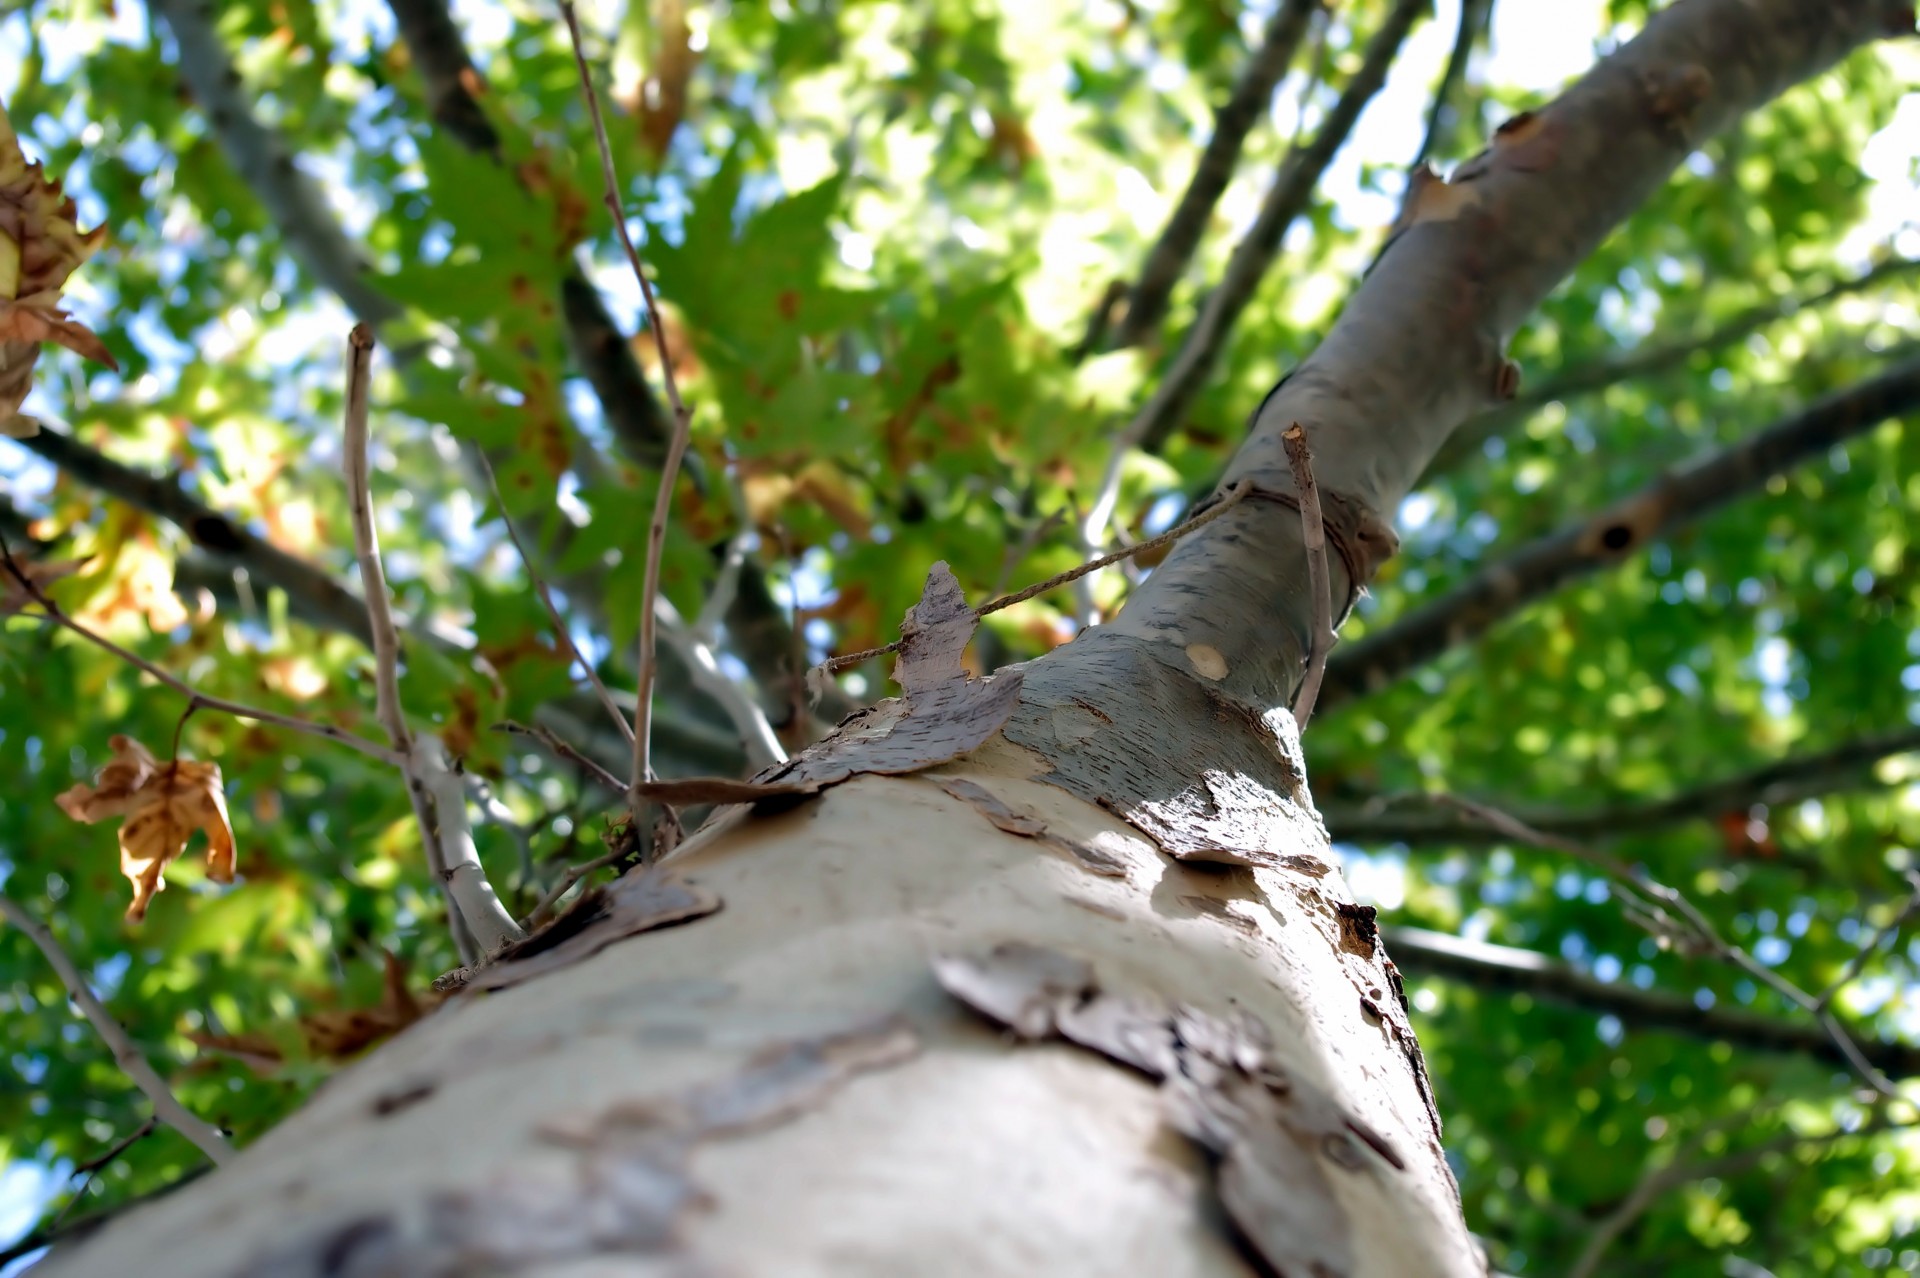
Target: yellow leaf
{"x": 162, "y": 805}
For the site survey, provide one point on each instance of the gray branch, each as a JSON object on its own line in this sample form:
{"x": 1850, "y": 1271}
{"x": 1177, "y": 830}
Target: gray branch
{"x": 1288, "y": 197}
{"x": 1651, "y": 359}
{"x": 1673, "y": 500}
{"x": 1499, "y": 967}
{"x": 1252, "y": 94}
{"x": 1785, "y": 781}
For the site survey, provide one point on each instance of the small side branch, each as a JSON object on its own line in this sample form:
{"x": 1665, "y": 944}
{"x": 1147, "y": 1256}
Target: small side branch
{"x": 54, "y": 613}
{"x": 1443, "y": 118}
{"x": 1252, "y": 93}
{"x": 166, "y": 1107}
{"x": 1673, "y": 500}
{"x": 1501, "y": 967}
{"x": 1650, "y": 359}
{"x": 477, "y": 917}
{"x": 1418, "y": 819}
{"x": 676, "y": 445}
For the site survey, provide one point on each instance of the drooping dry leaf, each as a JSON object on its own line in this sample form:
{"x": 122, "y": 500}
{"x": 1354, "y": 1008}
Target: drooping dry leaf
{"x": 42, "y": 573}
{"x": 162, "y": 805}
{"x": 41, "y": 244}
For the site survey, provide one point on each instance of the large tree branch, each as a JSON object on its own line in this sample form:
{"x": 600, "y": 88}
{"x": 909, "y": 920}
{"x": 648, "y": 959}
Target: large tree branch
{"x": 1500, "y": 967}
{"x": 1785, "y": 781}
{"x": 1217, "y": 638}
{"x": 1443, "y": 119}
{"x": 295, "y": 201}
{"x": 1252, "y": 93}
{"x": 1650, "y": 359}
{"x": 1299, "y": 174}
{"x": 1675, "y": 499}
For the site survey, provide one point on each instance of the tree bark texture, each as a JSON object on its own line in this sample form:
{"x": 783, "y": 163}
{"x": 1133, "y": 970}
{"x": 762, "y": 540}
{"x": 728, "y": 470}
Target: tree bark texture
{"x": 1077, "y": 990}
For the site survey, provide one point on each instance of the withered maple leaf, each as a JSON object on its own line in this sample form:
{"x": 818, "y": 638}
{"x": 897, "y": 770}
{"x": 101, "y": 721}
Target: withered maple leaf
{"x": 163, "y": 805}
{"x": 41, "y": 244}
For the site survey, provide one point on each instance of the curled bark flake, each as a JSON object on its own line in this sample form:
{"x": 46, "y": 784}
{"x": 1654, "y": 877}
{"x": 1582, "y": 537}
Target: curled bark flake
{"x": 641, "y": 901}
{"x": 946, "y": 712}
{"x": 1220, "y": 1087}
{"x": 1359, "y": 933}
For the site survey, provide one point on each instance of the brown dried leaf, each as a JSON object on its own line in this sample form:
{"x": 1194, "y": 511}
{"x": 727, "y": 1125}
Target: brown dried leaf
{"x": 162, "y": 805}
{"x": 41, "y": 244}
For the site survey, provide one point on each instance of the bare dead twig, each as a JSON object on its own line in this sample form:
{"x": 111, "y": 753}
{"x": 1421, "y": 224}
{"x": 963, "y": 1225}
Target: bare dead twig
{"x": 676, "y": 445}
{"x": 543, "y": 909}
{"x": 92, "y": 1167}
{"x": 1167, "y": 538}
{"x": 54, "y": 613}
{"x": 594, "y": 772}
{"x": 1319, "y": 580}
{"x": 1670, "y": 916}
{"x": 1858, "y": 962}
{"x": 166, "y": 1107}
{"x": 478, "y": 920}
{"x": 553, "y": 611}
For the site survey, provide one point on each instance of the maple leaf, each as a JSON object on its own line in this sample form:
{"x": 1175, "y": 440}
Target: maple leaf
{"x": 41, "y": 244}
{"x": 163, "y": 806}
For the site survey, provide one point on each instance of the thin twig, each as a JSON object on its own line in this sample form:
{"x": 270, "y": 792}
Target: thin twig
{"x": 1654, "y": 905}
{"x": 593, "y": 771}
{"x": 834, "y": 664}
{"x": 1858, "y": 962}
{"x": 543, "y": 909}
{"x": 166, "y": 1107}
{"x": 467, "y": 929}
{"x": 553, "y": 611}
{"x": 1672, "y": 1175}
{"x": 1319, "y": 580}
{"x": 54, "y": 613}
{"x": 93, "y": 1166}
{"x": 676, "y": 446}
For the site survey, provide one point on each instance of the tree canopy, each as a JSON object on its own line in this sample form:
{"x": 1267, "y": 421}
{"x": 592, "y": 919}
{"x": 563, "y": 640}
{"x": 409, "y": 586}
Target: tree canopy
{"x": 997, "y": 285}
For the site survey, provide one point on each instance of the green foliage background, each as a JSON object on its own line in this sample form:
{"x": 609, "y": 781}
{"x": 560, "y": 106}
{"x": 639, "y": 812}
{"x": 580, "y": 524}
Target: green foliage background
{"x": 878, "y": 229}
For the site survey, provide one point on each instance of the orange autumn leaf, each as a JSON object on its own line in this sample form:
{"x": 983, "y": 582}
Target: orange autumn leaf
{"x": 41, "y": 244}
{"x": 163, "y": 804}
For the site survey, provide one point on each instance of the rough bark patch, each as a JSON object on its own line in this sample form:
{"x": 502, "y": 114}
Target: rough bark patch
{"x": 1219, "y": 1086}
{"x": 641, "y": 901}
{"x": 624, "y": 1193}
{"x": 1204, "y": 776}
{"x": 944, "y": 714}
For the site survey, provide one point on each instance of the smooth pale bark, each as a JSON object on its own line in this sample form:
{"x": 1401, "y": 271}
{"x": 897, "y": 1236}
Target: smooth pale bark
{"x": 785, "y": 1085}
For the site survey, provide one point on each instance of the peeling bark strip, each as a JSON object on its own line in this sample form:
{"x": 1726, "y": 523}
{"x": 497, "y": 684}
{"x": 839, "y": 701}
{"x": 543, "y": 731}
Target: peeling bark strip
{"x": 641, "y": 901}
{"x": 1219, "y": 1087}
{"x": 1673, "y": 500}
{"x": 1090, "y": 856}
{"x": 624, "y": 1194}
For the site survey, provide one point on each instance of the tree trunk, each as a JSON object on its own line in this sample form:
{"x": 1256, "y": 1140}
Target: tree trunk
{"x": 1086, "y": 998}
